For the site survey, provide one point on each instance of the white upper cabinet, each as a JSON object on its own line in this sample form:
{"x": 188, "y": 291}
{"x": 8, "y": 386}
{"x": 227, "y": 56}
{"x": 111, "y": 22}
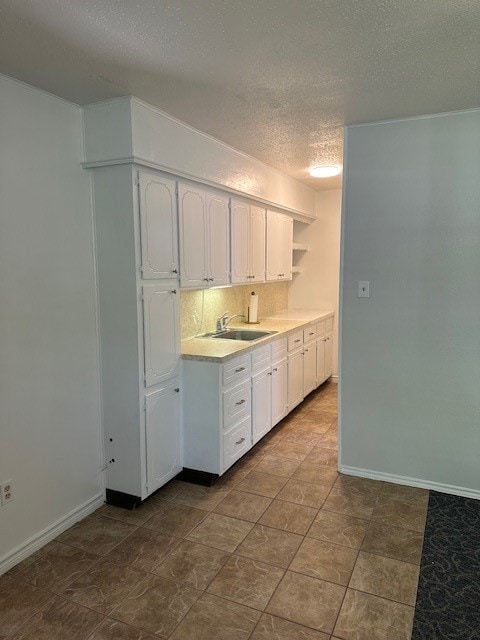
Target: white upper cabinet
{"x": 192, "y": 207}
{"x": 218, "y": 261}
{"x": 257, "y": 244}
{"x": 158, "y": 226}
{"x": 161, "y": 333}
{"x": 248, "y": 243}
{"x": 204, "y": 237}
{"x": 279, "y": 246}
{"x": 240, "y": 225}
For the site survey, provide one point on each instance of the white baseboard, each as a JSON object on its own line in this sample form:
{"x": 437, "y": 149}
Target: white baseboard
{"x": 40, "y": 539}
{"x": 465, "y": 492}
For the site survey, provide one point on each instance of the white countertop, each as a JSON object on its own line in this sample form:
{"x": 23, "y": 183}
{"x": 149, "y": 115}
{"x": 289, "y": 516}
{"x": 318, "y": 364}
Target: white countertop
{"x": 282, "y": 323}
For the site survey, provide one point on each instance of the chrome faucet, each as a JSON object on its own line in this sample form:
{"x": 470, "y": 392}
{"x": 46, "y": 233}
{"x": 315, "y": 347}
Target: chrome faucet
{"x": 237, "y": 315}
{"x": 224, "y": 321}
{"x": 221, "y": 322}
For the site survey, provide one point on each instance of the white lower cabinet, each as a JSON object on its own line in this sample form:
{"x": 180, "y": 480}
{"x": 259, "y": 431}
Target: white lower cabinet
{"x": 328, "y": 356}
{"x": 309, "y": 367}
{"x": 217, "y": 413}
{"x": 163, "y": 441}
{"x": 229, "y": 407}
{"x": 320, "y": 362}
{"x": 279, "y": 390}
{"x": 295, "y": 378}
{"x": 324, "y": 350}
{"x": 261, "y": 404}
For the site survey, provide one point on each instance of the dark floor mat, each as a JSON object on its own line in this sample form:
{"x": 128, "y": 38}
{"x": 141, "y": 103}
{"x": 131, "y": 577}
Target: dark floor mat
{"x": 448, "y": 600}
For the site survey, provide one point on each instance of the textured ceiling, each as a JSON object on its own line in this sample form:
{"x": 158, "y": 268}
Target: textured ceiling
{"x": 275, "y": 78}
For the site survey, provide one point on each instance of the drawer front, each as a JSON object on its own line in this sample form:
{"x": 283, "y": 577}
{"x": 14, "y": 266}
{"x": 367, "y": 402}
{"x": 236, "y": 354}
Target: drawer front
{"x": 310, "y": 333}
{"x": 236, "y": 443}
{"x": 237, "y": 369}
{"x": 321, "y": 329}
{"x": 295, "y": 340}
{"x": 236, "y": 403}
{"x": 329, "y": 325}
{"x": 261, "y": 358}
{"x": 279, "y": 349}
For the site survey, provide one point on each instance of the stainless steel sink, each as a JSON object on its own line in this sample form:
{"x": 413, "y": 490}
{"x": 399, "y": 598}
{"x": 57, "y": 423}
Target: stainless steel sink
{"x": 239, "y": 334}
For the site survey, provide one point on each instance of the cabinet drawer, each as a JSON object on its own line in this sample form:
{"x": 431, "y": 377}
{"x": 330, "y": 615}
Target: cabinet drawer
{"x": 236, "y": 403}
{"x": 236, "y": 370}
{"x": 279, "y": 349}
{"x": 321, "y": 329}
{"x": 236, "y": 443}
{"x": 295, "y": 340}
{"x": 310, "y": 333}
{"x": 261, "y": 358}
{"x": 329, "y": 325}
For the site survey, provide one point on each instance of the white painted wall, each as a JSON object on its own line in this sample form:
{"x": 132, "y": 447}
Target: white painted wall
{"x": 49, "y": 395}
{"x": 410, "y": 359}
{"x": 316, "y": 287}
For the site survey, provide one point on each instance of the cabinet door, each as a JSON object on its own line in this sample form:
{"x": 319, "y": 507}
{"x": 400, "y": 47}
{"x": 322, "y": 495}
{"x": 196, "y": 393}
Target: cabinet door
{"x": 309, "y": 367}
{"x": 257, "y": 244}
{"x": 240, "y": 241}
{"x": 279, "y": 246}
{"x": 274, "y": 245}
{"x": 163, "y": 436}
{"x": 328, "y": 356}
{"x": 279, "y": 391}
{"x": 161, "y": 338}
{"x": 261, "y": 404}
{"x": 158, "y": 226}
{"x": 193, "y": 234}
{"x": 286, "y": 248}
{"x": 218, "y": 265}
{"x": 295, "y": 379}
{"x": 320, "y": 361}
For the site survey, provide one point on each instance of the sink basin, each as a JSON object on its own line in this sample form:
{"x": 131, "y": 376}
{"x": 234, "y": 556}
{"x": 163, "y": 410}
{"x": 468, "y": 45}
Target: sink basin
{"x": 240, "y": 334}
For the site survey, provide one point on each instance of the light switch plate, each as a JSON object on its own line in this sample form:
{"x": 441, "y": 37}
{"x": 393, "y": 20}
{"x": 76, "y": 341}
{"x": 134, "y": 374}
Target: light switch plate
{"x": 363, "y": 289}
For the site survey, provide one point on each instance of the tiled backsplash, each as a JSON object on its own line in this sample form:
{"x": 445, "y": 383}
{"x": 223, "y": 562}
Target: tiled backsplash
{"x": 271, "y": 297}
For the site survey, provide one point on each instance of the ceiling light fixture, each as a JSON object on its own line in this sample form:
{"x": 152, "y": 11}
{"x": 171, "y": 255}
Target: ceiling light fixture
{"x": 325, "y": 171}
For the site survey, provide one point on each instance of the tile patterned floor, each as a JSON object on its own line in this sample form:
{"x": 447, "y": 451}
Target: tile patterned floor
{"x": 281, "y": 548}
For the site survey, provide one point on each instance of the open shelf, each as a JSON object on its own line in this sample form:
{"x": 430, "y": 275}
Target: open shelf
{"x": 299, "y": 246}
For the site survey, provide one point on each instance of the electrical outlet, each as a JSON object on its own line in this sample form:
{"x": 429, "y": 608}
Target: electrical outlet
{"x": 6, "y": 492}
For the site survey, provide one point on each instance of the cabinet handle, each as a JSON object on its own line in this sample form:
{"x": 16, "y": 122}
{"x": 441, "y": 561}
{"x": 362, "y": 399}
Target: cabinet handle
{"x": 173, "y": 291}
{"x": 211, "y": 279}
{"x": 312, "y": 333}
{"x": 174, "y": 270}
{"x": 205, "y": 279}
{"x": 253, "y": 277}
{"x": 306, "y": 350}
{"x": 298, "y": 340}
{"x": 241, "y": 401}
{"x": 240, "y": 441}
{"x": 275, "y": 370}
{"x": 239, "y": 369}
{"x": 177, "y": 390}
{"x": 269, "y": 373}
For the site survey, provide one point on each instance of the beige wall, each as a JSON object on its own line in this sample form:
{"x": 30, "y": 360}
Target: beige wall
{"x": 272, "y": 297}
{"x": 318, "y": 284}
